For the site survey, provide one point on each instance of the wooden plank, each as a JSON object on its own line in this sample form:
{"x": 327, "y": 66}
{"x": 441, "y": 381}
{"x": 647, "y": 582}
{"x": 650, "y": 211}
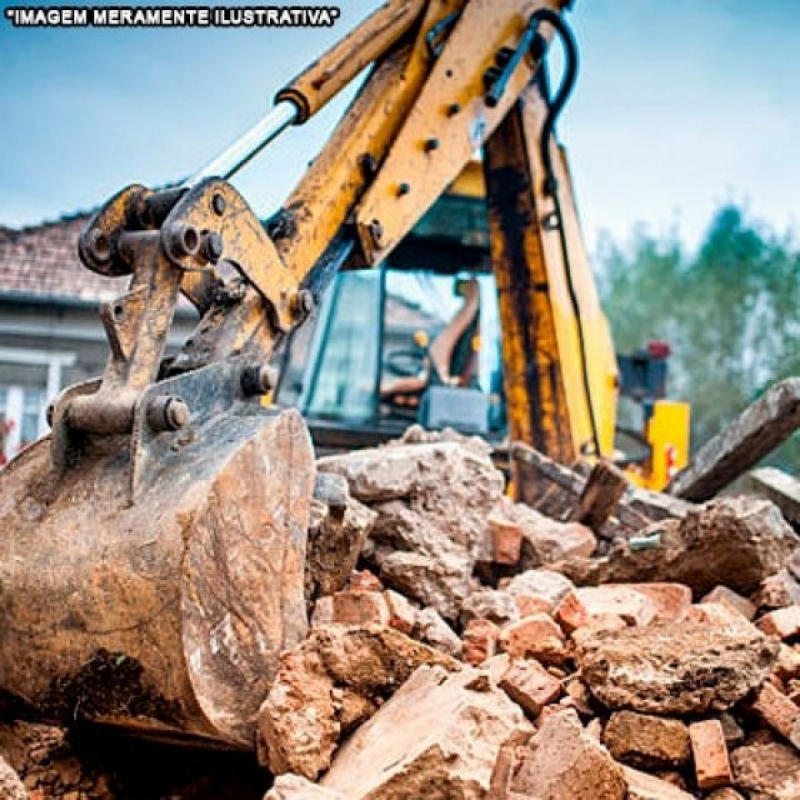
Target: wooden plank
{"x": 602, "y": 491}
{"x": 755, "y": 433}
{"x": 556, "y": 490}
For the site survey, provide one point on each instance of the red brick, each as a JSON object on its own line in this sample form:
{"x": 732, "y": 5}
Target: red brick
{"x": 360, "y": 608}
{"x": 530, "y": 686}
{"x": 783, "y": 623}
{"x": 779, "y": 712}
{"x": 506, "y": 540}
{"x": 711, "y": 763}
{"x": 536, "y": 637}
{"x": 529, "y": 605}
{"x": 479, "y": 641}
{"x": 364, "y": 581}
{"x": 578, "y": 606}
{"x": 402, "y": 613}
{"x": 719, "y": 615}
{"x": 726, "y": 596}
{"x": 671, "y": 600}
{"x": 787, "y": 667}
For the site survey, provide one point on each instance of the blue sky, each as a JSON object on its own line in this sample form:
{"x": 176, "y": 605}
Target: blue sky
{"x": 681, "y": 105}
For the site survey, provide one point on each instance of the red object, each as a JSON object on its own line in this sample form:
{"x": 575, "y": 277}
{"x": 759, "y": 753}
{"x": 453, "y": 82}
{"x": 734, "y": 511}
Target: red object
{"x": 659, "y": 349}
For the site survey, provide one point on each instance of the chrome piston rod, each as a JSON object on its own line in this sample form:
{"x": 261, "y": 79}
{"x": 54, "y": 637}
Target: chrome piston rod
{"x": 248, "y": 145}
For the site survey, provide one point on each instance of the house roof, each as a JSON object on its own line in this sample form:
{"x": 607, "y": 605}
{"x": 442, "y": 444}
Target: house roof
{"x": 41, "y": 262}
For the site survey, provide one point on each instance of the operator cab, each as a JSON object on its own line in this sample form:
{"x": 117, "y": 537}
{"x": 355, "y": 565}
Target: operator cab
{"x": 416, "y": 340}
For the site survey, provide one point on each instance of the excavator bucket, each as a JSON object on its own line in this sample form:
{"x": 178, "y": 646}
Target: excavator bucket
{"x": 165, "y": 614}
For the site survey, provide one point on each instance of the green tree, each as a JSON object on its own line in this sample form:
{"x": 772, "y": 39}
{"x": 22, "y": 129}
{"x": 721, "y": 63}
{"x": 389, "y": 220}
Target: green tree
{"x": 731, "y": 312}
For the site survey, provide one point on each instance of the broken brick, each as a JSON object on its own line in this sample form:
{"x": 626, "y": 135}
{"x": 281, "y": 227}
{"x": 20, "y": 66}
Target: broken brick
{"x": 530, "y": 686}
{"x": 506, "y": 540}
{"x": 783, "y": 622}
{"x": 479, "y": 641}
{"x": 711, "y": 764}
{"x": 779, "y": 712}
{"x": 360, "y": 608}
{"x": 726, "y": 596}
{"x": 536, "y": 637}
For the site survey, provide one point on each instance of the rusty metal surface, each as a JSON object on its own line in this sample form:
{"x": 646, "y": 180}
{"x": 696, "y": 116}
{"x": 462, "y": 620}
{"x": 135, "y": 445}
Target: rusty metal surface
{"x": 315, "y": 86}
{"x": 451, "y": 107}
{"x": 198, "y": 585}
{"x": 532, "y": 361}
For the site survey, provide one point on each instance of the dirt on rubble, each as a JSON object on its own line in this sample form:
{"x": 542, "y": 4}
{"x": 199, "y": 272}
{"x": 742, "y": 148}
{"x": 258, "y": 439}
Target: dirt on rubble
{"x": 107, "y": 685}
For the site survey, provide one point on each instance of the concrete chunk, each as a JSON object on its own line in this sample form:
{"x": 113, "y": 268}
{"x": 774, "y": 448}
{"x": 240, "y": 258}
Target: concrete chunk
{"x": 438, "y": 736}
{"x": 329, "y": 684}
{"x": 675, "y": 669}
{"x": 737, "y": 541}
{"x": 646, "y": 741}
{"x": 563, "y": 762}
{"x": 772, "y": 769}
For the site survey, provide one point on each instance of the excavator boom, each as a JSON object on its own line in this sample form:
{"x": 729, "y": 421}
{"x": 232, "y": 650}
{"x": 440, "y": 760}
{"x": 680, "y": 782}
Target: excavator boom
{"x": 154, "y": 542}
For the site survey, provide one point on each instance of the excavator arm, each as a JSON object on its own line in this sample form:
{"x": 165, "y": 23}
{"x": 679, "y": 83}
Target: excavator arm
{"x": 447, "y": 78}
{"x": 164, "y": 550}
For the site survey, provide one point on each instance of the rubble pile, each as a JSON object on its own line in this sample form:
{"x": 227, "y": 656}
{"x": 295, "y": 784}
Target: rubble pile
{"x": 465, "y": 646}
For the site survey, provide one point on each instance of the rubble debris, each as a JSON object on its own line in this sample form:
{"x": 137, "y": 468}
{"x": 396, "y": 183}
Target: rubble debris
{"x": 496, "y": 606}
{"x": 537, "y": 636}
{"x": 479, "y": 641}
{"x": 710, "y": 753}
{"x": 675, "y": 669}
{"x": 530, "y": 686}
{"x": 580, "y": 606}
{"x": 11, "y": 787}
{"x": 779, "y": 712}
{"x": 561, "y": 762}
{"x": 439, "y": 735}
{"x": 296, "y": 787}
{"x": 433, "y": 630}
{"x": 432, "y": 502}
{"x": 646, "y": 741}
{"x": 777, "y": 591}
{"x": 538, "y": 590}
{"x": 768, "y": 771}
{"x": 326, "y": 686}
{"x": 545, "y": 540}
{"x": 402, "y": 613}
{"x": 726, "y": 596}
{"x": 783, "y": 622}
{"x": 782, "y": 489}
{"x": 737, "y": 541}
{"x": 336, "y": 536}
{"x": 755, "y": 433}
{"x": 642, "y": 786}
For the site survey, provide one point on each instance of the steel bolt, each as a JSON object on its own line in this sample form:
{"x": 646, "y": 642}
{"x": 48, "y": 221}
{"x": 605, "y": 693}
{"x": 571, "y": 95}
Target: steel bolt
{"x": 431, "y": 145}
{"x": 168, "y": 413}
{"x": 258, "y": 380}
{"x": 403, "y": 189}
{"x": 453, "y": 109}
{"x": 218, "y": 204}
{"x": 212, "y": 247}
{"x": 302, "y": 304}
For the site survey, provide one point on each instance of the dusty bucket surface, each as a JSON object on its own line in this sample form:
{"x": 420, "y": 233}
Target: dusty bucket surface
{"x": 166, "y": 615}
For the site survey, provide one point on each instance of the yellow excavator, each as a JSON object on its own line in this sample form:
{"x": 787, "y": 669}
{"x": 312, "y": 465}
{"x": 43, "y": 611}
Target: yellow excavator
{"x": 151, "y": 567}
